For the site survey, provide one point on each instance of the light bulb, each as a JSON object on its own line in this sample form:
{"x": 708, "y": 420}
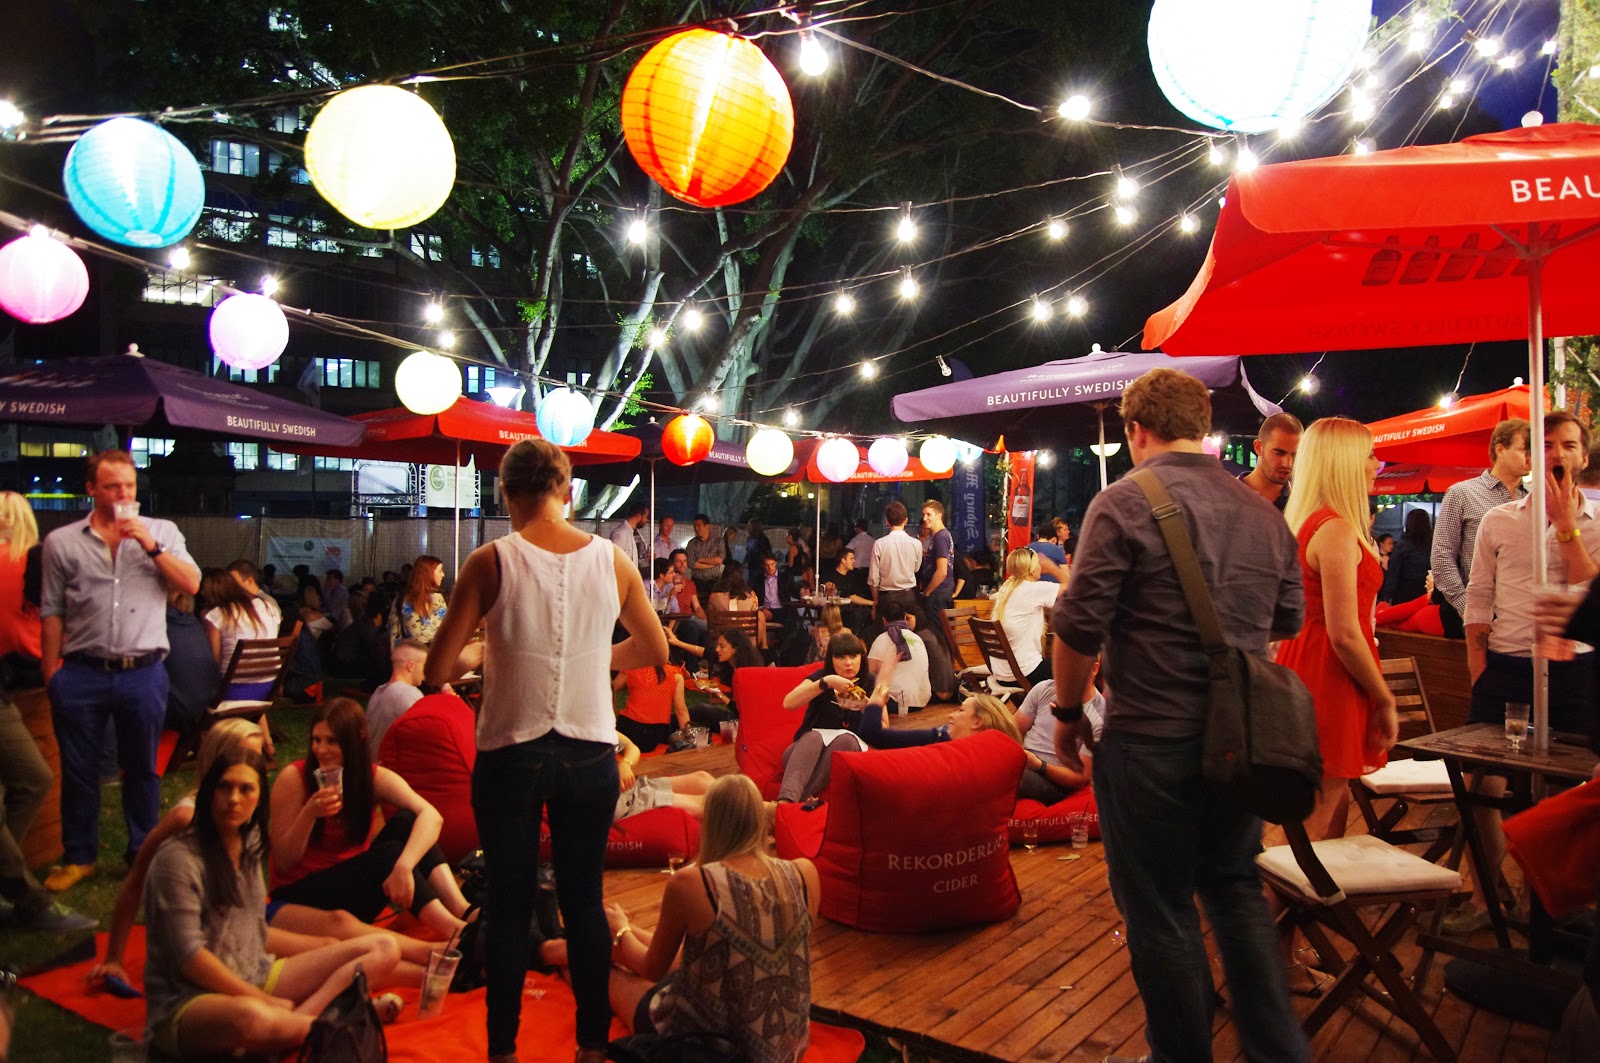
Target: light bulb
{"x": 1246, "y": 161}
{"x": 433, "y": 313}
{"x": 178, "y": 257}
{"x": 813, "y": 57}
{"x": 1509, "y": 61}
{"x": 1217, "y": 155}
{"x": 1548, "y": 47}
{"x": 1057, "y": 229}
{"x": 11, "y": 115}
{"x": 1044, "y": 459}
{"x": 1456, "y": 86}
{"x": 1361, "y": 147}
{"x": 1188, "y": 223}
{"x": 1516, "y": 381}
{"x": 1446, "y": 401}
{"x": 1361, "y": 107}
{"x": 656, "y": 338}
{"x": 869, "y": 370}
{"x": 1077, "y": 305}
{"x": 1074, "y": 108}
{"x": 1127, "y": 188}
{"x": 1419, "y": 40}
{"x": 447, "y": 340}
{"x": 638, "y": 231}
{"x": 1532, "y": 118}
{"x": 944, "y": 366}
{"x": 1446, "y": 102}
{"x": 693, "y": 319}
{"x": 906, "y": 230}
{"x": 1487, "y": 46}
{"x": 1041, "y": 309}
{"x": 1125, "y": 214}
{"x": 269, "y": 284}
{"x": 909, "y": 288}
{"x": 845, "y": 303}
{"x": 791, "y": 417}
{"x": 1308, "y": 384}
{"x": 1289, "y": 128}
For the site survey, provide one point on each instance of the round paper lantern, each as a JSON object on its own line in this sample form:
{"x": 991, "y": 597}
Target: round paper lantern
{"x": 248, "y": 331}
{"x": 888, "y": 456}
{"x": 41, "y": 279}
{"x": 769, "y": 452}
{"x": 135, "y": 183}
{"x": 381, "y": 156}
{"x": 838, "y": 459}
{"x": 427, "y": 382}
{"x": 686, "y": 439}
{"x": 708, "y": 117}
{"x": 565, "y": 417}
{"x": 938, "y": 454}
{"x": 1252, "y": 65}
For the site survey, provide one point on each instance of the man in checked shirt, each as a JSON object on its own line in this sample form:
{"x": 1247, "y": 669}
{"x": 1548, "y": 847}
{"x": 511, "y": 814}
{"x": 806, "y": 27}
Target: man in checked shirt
{"x": 1456, "y": 530}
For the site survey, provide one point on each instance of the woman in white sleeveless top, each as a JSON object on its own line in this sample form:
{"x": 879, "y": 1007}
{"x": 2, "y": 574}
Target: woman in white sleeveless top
{"x": 552, "y": 596}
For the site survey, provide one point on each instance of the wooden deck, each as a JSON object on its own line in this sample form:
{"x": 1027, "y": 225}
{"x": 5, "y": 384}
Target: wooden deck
{"x": 1053, "y": 982}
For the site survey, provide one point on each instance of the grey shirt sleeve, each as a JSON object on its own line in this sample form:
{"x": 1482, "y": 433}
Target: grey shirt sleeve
{"x": 1083, "y": 613}
{"x": 174, "y": 901}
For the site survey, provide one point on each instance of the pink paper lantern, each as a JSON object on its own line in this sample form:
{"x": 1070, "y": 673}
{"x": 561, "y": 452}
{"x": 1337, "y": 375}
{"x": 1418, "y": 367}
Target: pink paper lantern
{"x": 888, "y": 456}
{"x": 838, "y": 459}
{"x": 249, "y": 331}
{"x": 41, "y": 279}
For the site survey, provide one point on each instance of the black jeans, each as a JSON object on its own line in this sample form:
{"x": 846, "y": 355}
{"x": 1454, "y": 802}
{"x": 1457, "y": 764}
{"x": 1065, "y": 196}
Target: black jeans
{"x": 512, "y": 788}
{"x": 356, "y": 885}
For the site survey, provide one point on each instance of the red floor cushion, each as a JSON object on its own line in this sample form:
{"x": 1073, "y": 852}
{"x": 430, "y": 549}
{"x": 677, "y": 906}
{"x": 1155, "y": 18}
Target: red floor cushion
{"x": 433, "y": 748}
{"x": 644, "y": 840}
{"x": 1055, "y": 821}
{"x": 765, "y": 727}
{"x": 916, "y": 839}
{"x": 797, "y": 832}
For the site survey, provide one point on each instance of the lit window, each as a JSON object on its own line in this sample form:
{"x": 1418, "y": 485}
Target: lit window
{"x": 232, "y": 156}
{"x": 282, "y": 462}
{"x": 269, "y": 375}
{"x": 54, "y": 450}
{"x": 428, "y": 247}
{"x": 477, "y": 373}
{"x": 178, "y": 289}
{"x": 348, "y": 373}
{"x": 587, "y": 264}
{"x": 231, "y": 225}
{"x": 245, "y": 456}
{"x": 489, "y": 257}
{"x": 334, "y": 464}
{"x": 143, "y": 448}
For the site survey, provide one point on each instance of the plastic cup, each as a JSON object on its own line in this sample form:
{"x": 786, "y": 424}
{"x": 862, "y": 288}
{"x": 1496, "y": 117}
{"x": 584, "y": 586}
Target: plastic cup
{"x": 1080, "y": 833}
{"x": 125, "y": 510}
{"x": 330, "y": 778}
{"x": 441, "y": 972}
{"x": 1030, "y": 834}
{"x": 730, "y": 731}
{"x": 1516, "y": 724}
{"x": 702, "y": 737}
{"x": 127, "y": 1046}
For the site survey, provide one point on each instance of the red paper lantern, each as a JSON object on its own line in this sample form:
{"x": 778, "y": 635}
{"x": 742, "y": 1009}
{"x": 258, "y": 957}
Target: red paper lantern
{"x": 686, "y": 439}
{"x": 709, "y": 117}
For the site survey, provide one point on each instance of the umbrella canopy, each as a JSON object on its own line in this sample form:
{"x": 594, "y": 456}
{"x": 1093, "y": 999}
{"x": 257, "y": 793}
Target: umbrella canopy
{"x": 1420, "y": 479}
{"x": 1025, "y": 405}
{"x": 132, "y": 391}
{"x": 1457, "y": 435}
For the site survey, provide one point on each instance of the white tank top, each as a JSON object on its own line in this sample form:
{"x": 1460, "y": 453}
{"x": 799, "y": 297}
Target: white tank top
{"x": 547, "y": 665}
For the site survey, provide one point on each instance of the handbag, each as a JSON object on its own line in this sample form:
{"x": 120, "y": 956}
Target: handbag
{"x": 348, "y": 1030}
{"x": 1260, "y": 747}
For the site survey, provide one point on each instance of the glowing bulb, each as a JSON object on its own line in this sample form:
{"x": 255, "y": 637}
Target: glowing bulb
{"x": 909, "y": 288}
{"x": 1547, "y": 48}
{"x": 844, "y": 303}
{"x": 813, "y": 57}
{"x": 1057, "y": 229}
{"x": 1077, "y": 306}
{"x": 1361, "y": 147}
{"x": 447, "y": 340}
{"x": 1419, "y": 40}
{"x": 1289, "y": 128}
{"x": 656, "y": 338}
{"x": 1532, "y": 118}
{"x": 1188, "y": 223}
{"x": 1308, "y": 384}
{"x": 1456, "y": 86}
{"x": 1447, "y": 401}
{"x": 1516, "y": 381}
{"x": 1125, "y": 214}
{"x": 1127, "y": 188}
{"x": 433, "y": 313}
{"x": 269, "y": 284}
{"x": 906, "y": 230}
{"x": 869, "y": 370}
{"x": 791, "y": 417}
{"x": 1509, "y": 61}
{"x": 178, "y": 257}
{"x": 1487, "y": 46}
{"x": 638, "y": 231}
{"x": 1074, "y": 108}
{"x": 1246, "y": 161}
{"x": 1217, "y": 155}
{"x": 693, "y": 319}
{"x": 1041, "y": 309}
{"x": 11, "y": 115}
{"x": 944, "y": 366}
{"x": 1044, "y": 459}
{"x": 1446, "y": 102}
{"x": 1361, "y": 107}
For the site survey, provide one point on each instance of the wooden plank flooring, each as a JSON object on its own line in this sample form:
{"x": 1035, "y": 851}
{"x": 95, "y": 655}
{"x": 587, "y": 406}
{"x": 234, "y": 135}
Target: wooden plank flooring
{"x": 1054, "y": 982}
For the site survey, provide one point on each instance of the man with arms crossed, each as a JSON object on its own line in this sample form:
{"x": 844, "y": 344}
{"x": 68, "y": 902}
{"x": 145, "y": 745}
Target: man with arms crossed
{"x": 1168, "y": 835}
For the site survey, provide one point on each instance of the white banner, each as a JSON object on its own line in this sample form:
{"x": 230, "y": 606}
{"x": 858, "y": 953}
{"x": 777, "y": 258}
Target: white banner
{"x": 439, "y": 486}
{"x": 319, "y": 553}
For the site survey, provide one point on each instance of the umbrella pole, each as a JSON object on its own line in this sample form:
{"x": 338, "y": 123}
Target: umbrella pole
{"x": 1536, "y": 499}
{"x": 456, "y": 489}
{"x": 650, "y": 562}
{"x": 816, "y": 544}
{"x": 1100, "y": 411}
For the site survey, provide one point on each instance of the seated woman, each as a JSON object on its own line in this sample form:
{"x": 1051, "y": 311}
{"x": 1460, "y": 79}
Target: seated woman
{"x": 420, "y": 609}
{"x": 830, "y": 622}
{"x": 734, "y": 920}
{"x": 733, "y": 595}
{"x": 327, "y": 848}
{"x": 664, "y": 791}
{"x": 308, "y": 603}
{"x": 291, "y": 928}
{"x": 655, "y": 705}
{"x": 730, "y": 651}
{"x": 1056, "y": 779}
{"x": 824, "y": 728}
{"x": 1019, "y": 609}
{"x": 236, "y": 614}
{"x": 211, "y": 985}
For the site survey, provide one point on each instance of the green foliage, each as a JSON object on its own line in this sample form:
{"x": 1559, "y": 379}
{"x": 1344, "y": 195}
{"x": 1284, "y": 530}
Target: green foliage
{"x": 630, "y": 406}
{"x": 1581, "y": 377}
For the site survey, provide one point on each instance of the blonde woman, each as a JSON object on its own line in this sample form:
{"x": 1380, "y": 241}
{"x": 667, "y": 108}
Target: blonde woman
{"x": 1335, "y": 653}
{"x": 734, "y": 918}
{"x": 1019, "y": 609}
{"x": 19, "y": 612}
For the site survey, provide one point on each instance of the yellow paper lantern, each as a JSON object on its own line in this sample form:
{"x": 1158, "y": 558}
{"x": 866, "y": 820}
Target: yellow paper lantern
{"x": 709, "y": 117}
{"x": 427, "y": 383}
{"x": 769, "y": 452}
{"x": 381, "y": 156}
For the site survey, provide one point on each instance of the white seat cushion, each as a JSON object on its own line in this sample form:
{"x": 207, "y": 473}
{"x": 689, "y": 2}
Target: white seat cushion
{"x": 240, "y": 706}
{"x": 1409, "y": 777}
{"x": 1362, "y": 864}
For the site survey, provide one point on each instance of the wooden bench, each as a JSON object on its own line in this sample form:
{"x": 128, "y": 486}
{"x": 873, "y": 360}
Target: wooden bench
{"x": 42, "y": 845}
{"x": 1442, "y": 664}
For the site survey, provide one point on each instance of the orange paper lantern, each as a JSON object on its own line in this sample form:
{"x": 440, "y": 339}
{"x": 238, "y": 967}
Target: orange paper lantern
{"x": 709, "y": 117}
{"x": 686, "y": 439}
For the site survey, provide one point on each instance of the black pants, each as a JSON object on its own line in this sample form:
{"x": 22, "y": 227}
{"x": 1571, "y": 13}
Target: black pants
{"x": 1507, "y": 678}
{"x": 646, "y": 736}
{"x": 356, "y": 885}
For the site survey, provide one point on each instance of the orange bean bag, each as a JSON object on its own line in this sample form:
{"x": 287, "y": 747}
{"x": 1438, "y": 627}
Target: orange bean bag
{"x": 766, "y": 728}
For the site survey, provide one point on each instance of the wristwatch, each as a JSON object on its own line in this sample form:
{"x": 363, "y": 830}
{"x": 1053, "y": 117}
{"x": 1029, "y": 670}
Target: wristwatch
{"x": 1567, "y": 537}
{"x": 157, "y": 552}
{"x": 1067, "y": 713}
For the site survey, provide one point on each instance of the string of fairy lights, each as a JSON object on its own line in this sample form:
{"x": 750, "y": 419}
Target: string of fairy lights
{"x": 1405, "y": 51}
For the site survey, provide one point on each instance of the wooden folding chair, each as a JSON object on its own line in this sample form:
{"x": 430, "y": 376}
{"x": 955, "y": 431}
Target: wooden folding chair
{"x": 720, "y": 620}
{"x": 972, "y": 671}
{"x": 258, "y": 667}
{"x": 993, "y": 645}
{"x": 1406, "y": 784}
{"x": 1372, "y": 874}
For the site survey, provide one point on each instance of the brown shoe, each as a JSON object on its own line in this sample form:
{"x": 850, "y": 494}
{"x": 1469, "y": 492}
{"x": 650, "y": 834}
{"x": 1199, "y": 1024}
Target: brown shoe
{"x": 67, "y": 876}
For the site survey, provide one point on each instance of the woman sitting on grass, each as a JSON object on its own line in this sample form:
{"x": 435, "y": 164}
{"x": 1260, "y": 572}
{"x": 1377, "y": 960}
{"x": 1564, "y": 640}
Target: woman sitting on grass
{"x": 212, "y": 987}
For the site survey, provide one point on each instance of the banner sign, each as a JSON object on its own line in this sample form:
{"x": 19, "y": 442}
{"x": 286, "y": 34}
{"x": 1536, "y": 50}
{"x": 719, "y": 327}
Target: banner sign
{"x": 967, "y": 518}
{"x": 320, "y": 554}
{"x": 1019, "y": 502}
{"x": 439, "y": 487}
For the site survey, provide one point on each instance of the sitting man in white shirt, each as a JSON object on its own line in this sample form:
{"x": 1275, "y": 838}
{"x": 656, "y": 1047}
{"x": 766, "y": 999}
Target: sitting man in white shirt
{"x": 1053, "y": 781}
{"x": 403, "y": 690}
{"x": 909, "y": 687}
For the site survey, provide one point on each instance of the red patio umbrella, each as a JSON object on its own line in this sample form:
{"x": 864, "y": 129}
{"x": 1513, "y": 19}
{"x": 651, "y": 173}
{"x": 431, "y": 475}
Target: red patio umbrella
{"x": 1420, "y": 479}
{"x": 1454, "y": 435}
{"x": 1485, "y": 239}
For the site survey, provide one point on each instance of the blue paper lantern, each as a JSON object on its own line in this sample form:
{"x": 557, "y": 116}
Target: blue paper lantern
{"x": 135, "y": 183}
{"x": 565, "y": 418}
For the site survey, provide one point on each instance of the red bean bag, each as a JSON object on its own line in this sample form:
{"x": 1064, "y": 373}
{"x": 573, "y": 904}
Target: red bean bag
{"x": 644, "y": 840}
{"x": 1055, "y": 821}
{"x": 916, "y": 839}
{"x": 765, "y": 727}
{"x": 433, "y": 747}
{"x": 1416, "y": 615}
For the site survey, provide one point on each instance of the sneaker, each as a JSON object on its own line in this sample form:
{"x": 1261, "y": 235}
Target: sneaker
{"x": 52, "y": 917}
{"x": 1463, "y": 921}
{"x": 67, "y": 876}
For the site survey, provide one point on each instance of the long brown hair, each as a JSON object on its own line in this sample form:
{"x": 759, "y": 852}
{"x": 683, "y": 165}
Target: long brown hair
{"x": 222, "y": 881}
{"x": 222, "y": 591}
{"x": 348, "y": 723}
{"x": 419, "y": 592}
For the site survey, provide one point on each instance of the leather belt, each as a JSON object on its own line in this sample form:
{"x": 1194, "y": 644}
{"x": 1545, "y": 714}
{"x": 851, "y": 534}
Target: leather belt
{"x": 116, "y": 664}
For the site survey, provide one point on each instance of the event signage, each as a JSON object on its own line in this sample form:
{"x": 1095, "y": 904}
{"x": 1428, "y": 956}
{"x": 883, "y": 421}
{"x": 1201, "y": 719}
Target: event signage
{"x": 1019, "y": 502}
{"x": 967, "y": 508}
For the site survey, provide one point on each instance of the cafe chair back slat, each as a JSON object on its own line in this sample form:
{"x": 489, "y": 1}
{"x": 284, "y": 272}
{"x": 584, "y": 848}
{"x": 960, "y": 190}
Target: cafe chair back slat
{"x": 1387, "y": 796}
{"x": 260, "y": 665}
{"x": 993, "y": 645}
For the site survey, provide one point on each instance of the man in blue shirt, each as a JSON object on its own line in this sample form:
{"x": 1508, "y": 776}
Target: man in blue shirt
{"x": 1052, "y": 543}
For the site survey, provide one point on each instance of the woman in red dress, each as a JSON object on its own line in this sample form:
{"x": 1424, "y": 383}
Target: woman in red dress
{"x": 1335, "y": 653}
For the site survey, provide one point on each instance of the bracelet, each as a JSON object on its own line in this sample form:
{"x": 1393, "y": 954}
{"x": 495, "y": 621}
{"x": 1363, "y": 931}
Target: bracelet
{"x": 1067, "y": 713}
{"x": 617, "y": 940}
{"x": 1567, "y": 537}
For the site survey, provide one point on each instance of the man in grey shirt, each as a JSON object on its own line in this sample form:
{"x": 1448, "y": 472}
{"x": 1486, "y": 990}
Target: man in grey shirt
{"x": 403, "y": 690}
{"x": 103, "y": 619}
{"x": 1168, "y": 835}
{"x": 704, "y": 551}
{"x": 1455, "y": 533}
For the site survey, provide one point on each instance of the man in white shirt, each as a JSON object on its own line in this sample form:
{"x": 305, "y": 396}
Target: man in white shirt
{"x": 629, "y": 537}
{"x": 892, "y": 574}
{"x": 403, "y": 690}
{"x": 909, "y": 686}
{"x": 861, "y": 543}
{"x": 1055, "y": 780}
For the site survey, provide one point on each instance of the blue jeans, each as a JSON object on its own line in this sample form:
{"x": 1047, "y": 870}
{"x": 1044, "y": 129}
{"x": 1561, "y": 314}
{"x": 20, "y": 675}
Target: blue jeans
{"x": 511, "y": 789}
{"x": 81, "y": 699}
{"x": 1168, "y": 837}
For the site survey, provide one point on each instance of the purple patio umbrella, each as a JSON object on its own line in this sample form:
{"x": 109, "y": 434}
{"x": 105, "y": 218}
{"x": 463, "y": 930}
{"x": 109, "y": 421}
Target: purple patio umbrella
{"x": 1025, "y": 405}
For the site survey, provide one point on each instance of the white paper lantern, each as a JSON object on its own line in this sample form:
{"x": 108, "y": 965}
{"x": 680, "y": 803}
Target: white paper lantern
{"x": 381, "y": 156}
{"x": 565, "y": 417}
{"x": 938, "y": 454}
{"x": 427, "y": 383}
{"x": 1251, "y": 65}
{"x": 41, "y": 278}
{"x": 769, "y": 452}
{"x": 248, "y": 331}
{"x": 888, "y": 456}
{"x": 838, "y": 459}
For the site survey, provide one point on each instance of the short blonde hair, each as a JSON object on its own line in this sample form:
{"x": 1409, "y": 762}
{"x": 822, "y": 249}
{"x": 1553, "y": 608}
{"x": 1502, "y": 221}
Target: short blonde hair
{"x": 223, "y": 737}
{"x": 1022, "y": 566}
{"x": 17, "y": 524}
{"x": 734, "y": 822}
{"x": 1330, "y": 472}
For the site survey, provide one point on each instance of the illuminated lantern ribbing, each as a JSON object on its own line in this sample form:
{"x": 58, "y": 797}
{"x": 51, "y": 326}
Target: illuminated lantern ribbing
{"x": 888, "y": 456}
{"x": 769, "y": 452}
{"x": 248, "y": 331}
{"x": 134, "y": 183}
{"x": 687, "y": 438}
{"x": 1300, "y": 52}
{"x": 938, "y": 454}
{"x": 381, "y": 156}
{"x": 708, "y": 117}
{"x": 565, "y": 417}
{"x": 41, "y": 279}
{"x": 838, "y": 459}
{"x": 427, "y": 383}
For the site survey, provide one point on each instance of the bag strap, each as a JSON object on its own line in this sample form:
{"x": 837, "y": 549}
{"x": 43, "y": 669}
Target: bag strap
{"x": 1168, "y": 516}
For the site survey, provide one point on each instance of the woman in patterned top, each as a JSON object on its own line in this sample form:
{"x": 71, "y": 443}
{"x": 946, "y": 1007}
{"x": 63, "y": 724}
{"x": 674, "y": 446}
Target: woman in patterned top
{"x": 731, "y": 953}
{"x": 420, "y": 610}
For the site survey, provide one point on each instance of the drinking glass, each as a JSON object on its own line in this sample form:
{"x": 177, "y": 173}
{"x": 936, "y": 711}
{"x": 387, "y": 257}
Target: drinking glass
{"x": 1516, "y": 724}
{"x": 330, "y": 778}
{"x": 436, "y": 983}
{"x": 1030, "y": 834}
{"x": 674, "y": 862}
{"x": 125, "y": 510}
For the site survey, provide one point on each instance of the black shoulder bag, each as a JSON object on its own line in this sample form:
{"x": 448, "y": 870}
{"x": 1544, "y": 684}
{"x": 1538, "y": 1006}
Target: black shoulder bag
{"x": 348, "y": 1030}
{"x": 1261, "y": 724}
